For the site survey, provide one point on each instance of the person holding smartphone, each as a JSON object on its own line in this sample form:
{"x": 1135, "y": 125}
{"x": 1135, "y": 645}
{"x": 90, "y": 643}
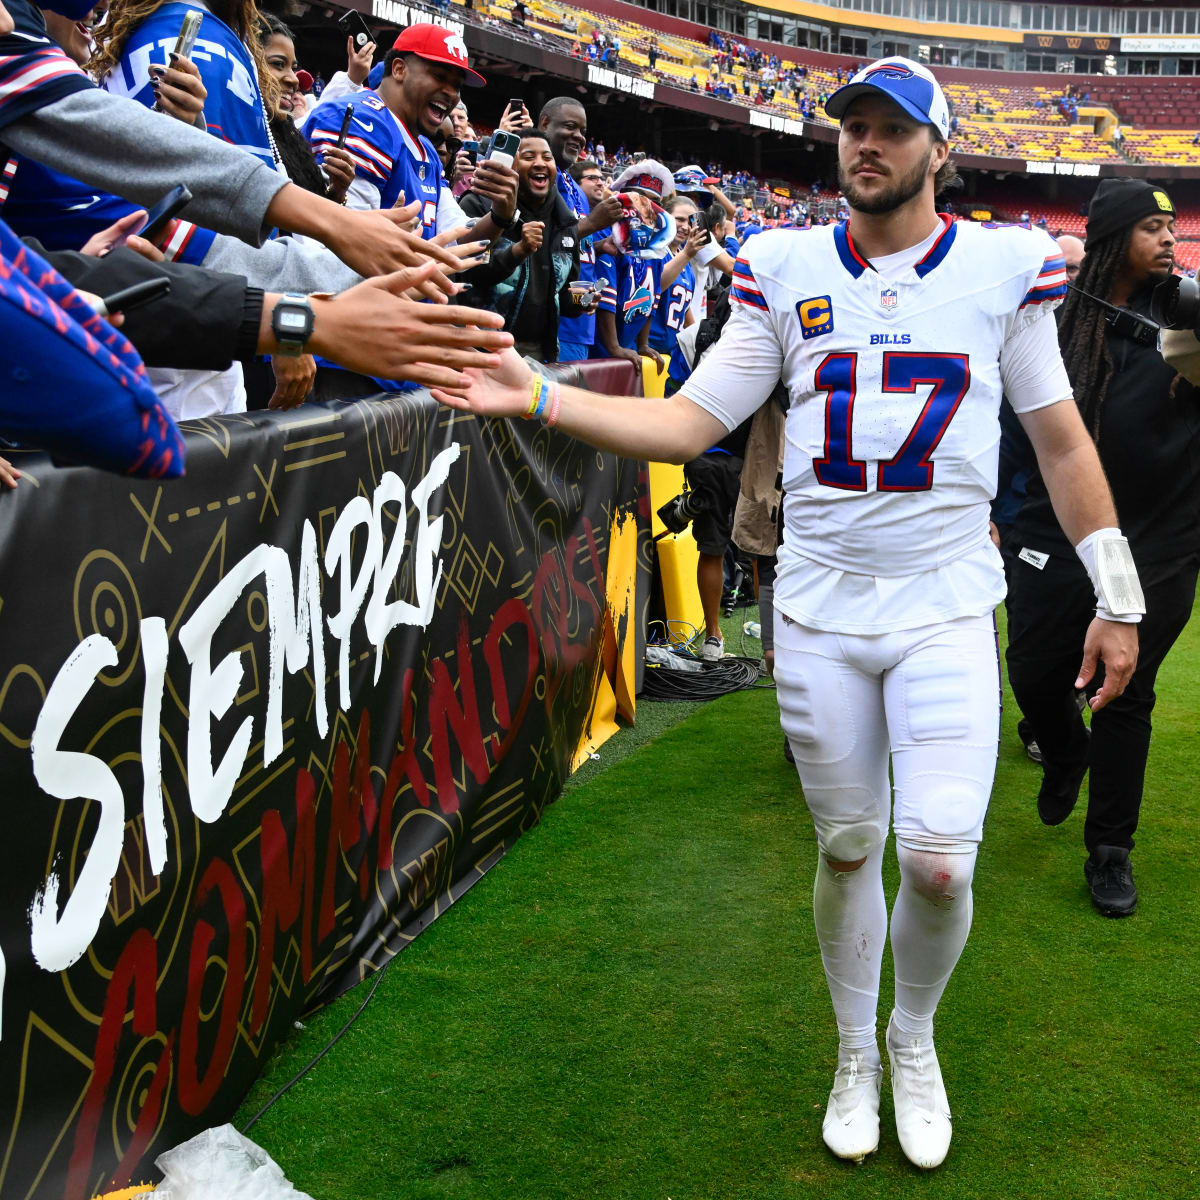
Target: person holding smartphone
{"x": 390, "y": 133}
{"x": 332, "y": 175}
{"x": 529, "y": 277}
{"x": 672, "y": 310}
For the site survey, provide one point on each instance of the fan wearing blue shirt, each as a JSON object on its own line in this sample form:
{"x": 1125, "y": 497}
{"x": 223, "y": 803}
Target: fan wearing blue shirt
{"x": 672, "y": 310}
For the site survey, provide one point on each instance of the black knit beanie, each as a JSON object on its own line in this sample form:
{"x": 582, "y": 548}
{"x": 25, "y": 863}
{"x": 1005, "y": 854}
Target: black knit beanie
{"x": 1120, "y": 203}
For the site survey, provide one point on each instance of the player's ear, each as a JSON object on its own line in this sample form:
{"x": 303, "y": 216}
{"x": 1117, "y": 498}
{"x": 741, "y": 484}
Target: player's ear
{"x": 941, "y": 152}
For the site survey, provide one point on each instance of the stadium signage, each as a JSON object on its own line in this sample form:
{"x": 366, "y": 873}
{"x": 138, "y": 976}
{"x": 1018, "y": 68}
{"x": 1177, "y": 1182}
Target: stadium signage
{"x": 1160, "y": 45}
{"x": 1053, "y": 167}
{"x": 777, "y": 124}
{"x": 1058, "y": 41}
{"x": 616, "y": 81}
{"x": 402, "y": 14}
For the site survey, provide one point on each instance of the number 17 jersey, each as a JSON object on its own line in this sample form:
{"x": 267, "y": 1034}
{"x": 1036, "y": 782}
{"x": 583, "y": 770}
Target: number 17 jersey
{"x": 895, "y": 372}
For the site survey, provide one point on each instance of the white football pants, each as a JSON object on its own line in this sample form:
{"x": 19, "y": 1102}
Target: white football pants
{"x": 928, "y": 700}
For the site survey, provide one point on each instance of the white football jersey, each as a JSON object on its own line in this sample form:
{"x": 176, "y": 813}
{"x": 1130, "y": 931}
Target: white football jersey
{"x": 895, "y": 382}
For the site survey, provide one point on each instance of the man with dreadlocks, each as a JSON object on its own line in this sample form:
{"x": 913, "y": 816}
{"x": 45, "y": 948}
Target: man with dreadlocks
{"x": 1145, "y": 421}
{"x": 895, "y": 334}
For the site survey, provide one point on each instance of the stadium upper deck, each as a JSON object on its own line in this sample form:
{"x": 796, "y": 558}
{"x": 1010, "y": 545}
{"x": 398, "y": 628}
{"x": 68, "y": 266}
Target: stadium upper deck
{"x": 1000, "y": 115}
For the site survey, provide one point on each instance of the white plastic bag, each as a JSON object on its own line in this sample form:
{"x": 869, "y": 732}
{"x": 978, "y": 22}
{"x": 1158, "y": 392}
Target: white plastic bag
{"x": 222, "y": 1164}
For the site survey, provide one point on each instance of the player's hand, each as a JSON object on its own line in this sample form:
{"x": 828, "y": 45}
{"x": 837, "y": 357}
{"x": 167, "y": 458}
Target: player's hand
{"x": 358, "y": 62}
{"x": 499, "y": 391}
{"x": 178, "y": 89}
{"x": 375, "y": 242}
{"x": 8, "y": 474}
{"x": 629, "y": 356}
{"x": 294, "y": 379}
{"x": 994, "y": 534}
{"x": 499, "y": 184}
{"x": 339, "y": 170}
{"x": 1115, "y": 644}
{"x": 107, "y": 240}
{"x": 376, "y": 328}
{"x": 658, "y": 360}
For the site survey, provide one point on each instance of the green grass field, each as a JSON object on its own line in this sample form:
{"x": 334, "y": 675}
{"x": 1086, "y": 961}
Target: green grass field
{"x": 631, "y": 1005}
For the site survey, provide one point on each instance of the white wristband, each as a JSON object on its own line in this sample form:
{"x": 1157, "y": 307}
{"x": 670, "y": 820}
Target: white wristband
{"x": 1106, "y": 558}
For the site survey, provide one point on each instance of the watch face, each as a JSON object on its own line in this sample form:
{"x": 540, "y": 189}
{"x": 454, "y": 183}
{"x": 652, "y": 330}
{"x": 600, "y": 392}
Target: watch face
{"x": 290, "y": 319}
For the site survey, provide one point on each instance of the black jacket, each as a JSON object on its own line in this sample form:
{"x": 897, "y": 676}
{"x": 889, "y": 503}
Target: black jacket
{"x": 507, "y": 285}
{"x": 1149, "y": 447}
{"x": 206, "y": 322}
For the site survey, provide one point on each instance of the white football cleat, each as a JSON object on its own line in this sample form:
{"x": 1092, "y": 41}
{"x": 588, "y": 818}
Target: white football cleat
{"x": 851, "y": 1126}
{"x": 922, "y": 1110}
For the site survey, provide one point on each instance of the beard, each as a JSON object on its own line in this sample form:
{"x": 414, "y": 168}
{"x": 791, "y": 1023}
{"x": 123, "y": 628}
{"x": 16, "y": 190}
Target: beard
{"x": 900, "y": 192}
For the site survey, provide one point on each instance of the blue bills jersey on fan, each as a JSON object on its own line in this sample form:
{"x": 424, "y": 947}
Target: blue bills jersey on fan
{"x": 629, "y": 295}
{"x": 671, "y": 307}
{"x": 895, "y": 382}
{"x": 233, "y": 109}
{"x": 388, "y": 157}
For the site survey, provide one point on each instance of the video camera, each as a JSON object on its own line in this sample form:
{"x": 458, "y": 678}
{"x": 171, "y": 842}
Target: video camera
{"x": 1175, "y": 303}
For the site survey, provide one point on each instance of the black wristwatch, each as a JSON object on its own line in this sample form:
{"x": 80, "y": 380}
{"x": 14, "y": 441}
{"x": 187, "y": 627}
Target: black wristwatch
{"x": 292, "y": 323}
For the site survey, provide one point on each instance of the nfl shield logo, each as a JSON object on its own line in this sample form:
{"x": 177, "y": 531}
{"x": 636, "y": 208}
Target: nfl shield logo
{"x": 887, "y": 298}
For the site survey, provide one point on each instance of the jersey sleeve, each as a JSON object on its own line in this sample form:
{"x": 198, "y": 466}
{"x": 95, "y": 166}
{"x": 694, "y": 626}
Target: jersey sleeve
{"x": 34, "y": 72}
{"x": 367, "y": 143}
{"x": 739, "y": 373}
{"x": 1047, "y": 285}
{"x": 745, "y": 292}
{"x": 1031, "y": 365}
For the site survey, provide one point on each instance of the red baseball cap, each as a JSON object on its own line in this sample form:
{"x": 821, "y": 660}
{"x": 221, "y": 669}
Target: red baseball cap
{"x": 439, "y": 45}
{"x": 305, "y": 80}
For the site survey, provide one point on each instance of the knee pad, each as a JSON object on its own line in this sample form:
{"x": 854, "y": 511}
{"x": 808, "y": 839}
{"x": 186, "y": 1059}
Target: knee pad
{"x": 939, "y": 872}
{"x": 848, "y": 841}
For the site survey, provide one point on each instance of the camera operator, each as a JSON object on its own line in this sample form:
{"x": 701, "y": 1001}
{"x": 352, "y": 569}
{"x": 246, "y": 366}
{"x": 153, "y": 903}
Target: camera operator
{"x": 1145, "y": 420}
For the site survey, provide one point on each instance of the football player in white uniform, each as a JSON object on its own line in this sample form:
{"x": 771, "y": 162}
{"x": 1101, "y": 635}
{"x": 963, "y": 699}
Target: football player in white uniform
{"x": 896, "y": 335}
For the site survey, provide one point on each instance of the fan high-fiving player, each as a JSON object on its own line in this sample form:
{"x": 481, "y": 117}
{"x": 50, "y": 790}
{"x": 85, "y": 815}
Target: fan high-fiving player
{"x": 896, "y": 334}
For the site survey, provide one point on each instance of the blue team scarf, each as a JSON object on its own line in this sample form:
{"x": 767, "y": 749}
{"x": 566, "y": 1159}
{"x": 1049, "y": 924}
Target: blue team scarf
{"x": 86, "y": 395}
{"x": 234, "y": 109}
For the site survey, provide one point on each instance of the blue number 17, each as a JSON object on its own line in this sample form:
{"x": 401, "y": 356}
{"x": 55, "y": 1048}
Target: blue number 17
{"x": 947, "y": 375}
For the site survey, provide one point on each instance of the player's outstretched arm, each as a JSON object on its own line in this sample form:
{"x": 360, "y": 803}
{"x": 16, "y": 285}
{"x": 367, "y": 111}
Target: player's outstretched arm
{"x": 1083, "y": 504}
{"x": 661, "y": 430}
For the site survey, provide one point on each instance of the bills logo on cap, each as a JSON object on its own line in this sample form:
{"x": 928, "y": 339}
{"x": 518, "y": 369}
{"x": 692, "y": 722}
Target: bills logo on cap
{"x": 909, "y": 84}
{"x": 456, "y": 46}
{"x": 887, "y": 71}
{"x": 888, "y": 298}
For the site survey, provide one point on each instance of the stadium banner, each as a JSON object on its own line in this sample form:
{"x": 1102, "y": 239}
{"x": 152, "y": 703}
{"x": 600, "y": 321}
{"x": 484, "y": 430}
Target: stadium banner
{"x": 260, "y": 726}
{"x": 1075, "y": 43}
{"x": 1160, "y": 45}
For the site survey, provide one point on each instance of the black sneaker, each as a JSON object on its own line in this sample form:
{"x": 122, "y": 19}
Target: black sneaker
{"x": 1110, "y": 876}
{"x": 1059, "y": 793}
{"x": 1025, "y": 733}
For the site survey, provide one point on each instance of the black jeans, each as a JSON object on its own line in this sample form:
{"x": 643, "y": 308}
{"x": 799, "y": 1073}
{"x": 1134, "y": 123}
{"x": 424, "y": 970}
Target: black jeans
{"x": 1048, "y": 615}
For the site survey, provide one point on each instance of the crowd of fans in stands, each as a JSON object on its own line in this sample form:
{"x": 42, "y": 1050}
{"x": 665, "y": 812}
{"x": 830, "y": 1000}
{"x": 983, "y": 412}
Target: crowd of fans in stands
{"x": 379, "y": 196}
